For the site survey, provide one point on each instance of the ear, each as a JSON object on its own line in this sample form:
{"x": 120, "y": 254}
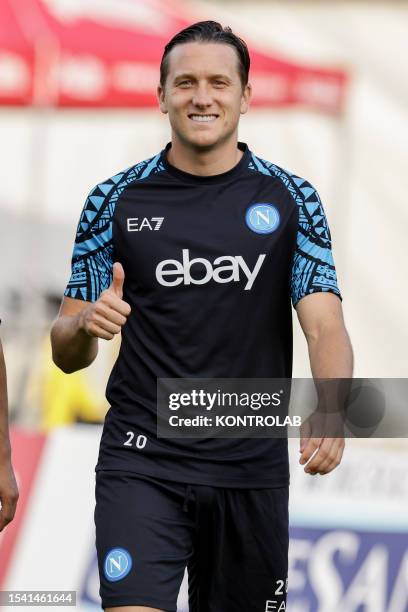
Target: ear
{"x": 246, "y": 98}
{"x": 161, "y": 98}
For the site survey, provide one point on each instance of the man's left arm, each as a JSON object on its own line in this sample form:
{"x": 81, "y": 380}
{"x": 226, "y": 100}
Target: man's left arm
{"x": 331, "y": 356}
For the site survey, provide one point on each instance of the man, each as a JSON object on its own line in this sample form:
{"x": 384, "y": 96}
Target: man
{"x": 194, "y": 255}
{"x": 8, "y": 485}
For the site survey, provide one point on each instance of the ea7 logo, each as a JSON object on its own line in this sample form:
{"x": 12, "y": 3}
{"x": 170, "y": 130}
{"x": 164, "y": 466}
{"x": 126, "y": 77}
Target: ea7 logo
{"x": 153, "y": 223}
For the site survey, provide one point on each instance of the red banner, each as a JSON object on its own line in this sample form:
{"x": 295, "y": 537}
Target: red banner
{"x": 107, "y": 54}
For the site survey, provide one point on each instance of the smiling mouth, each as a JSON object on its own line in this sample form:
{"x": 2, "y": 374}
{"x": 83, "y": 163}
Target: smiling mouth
{"x": 203, "y": 118}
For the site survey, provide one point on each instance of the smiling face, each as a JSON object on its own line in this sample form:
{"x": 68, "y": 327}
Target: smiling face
{"x": 203, "y": 94}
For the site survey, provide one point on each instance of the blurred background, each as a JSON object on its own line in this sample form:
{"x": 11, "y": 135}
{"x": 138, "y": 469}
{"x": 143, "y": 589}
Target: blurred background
{"x": 77, "y": 105}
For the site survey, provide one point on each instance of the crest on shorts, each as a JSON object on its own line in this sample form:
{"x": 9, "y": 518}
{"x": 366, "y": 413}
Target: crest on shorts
{"x": 117, "y": 565}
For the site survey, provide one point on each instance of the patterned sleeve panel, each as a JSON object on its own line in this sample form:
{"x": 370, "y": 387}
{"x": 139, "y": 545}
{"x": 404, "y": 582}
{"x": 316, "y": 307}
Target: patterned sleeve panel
{"x": 92, "y": 260}
{"x": 91, "y": 270}
{"x": 313, "y": 266}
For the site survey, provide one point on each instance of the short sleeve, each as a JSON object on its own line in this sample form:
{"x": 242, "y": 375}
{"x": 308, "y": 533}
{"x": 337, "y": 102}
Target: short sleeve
{"x": 313, "y": 267}
{"x": 91, "y": 267}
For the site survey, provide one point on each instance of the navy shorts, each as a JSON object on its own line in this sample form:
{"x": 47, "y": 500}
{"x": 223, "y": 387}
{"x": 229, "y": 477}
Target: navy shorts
{"x": 234, "y": 543}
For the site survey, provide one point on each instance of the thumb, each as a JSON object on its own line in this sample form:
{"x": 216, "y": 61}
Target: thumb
{"x": 305, "y": 433}
{"x": 118, "y": 279}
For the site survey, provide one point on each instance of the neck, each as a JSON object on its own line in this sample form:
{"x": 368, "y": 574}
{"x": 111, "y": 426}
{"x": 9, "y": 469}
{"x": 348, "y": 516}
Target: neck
{"x": 204, "y": 162}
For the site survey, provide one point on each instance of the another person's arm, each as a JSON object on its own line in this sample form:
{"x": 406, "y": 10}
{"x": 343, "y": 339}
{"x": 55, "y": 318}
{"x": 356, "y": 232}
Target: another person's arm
{"x": 8, "y": 484}
{"x": 75, "y": 333}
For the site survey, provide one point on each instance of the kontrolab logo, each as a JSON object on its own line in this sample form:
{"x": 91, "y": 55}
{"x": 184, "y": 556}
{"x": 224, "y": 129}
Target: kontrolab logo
{"x": 262, "y": 218}
{"x": 118, "y": 564}
{"x": 224, "y": 269}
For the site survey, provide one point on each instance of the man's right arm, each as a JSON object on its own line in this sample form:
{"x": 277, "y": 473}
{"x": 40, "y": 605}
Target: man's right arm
{"x": 75, "y": 333}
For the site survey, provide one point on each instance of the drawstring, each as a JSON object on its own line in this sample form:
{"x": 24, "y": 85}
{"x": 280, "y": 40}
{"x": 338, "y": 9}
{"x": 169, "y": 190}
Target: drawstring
{"x": 187, "y": 496}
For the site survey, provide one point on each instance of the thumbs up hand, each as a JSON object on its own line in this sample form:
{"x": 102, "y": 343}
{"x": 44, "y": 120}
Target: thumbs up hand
{"x": 106, "y": 317}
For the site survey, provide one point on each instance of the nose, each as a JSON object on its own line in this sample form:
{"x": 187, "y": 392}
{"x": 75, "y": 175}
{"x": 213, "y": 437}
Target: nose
{"x": 202, "y": 95}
